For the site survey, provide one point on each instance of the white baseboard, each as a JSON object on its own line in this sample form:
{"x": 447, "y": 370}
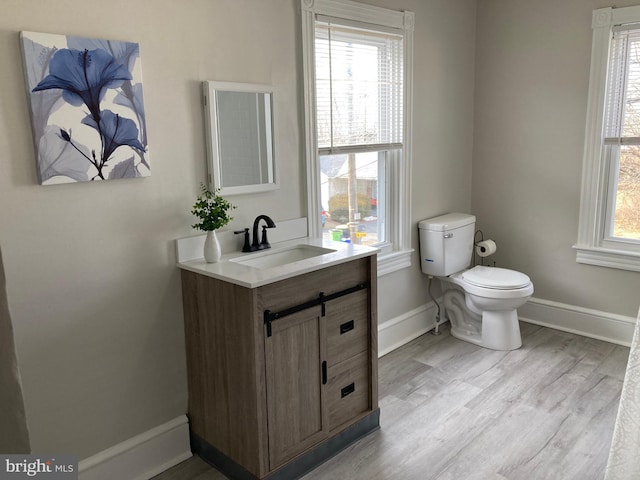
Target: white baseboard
{"x": 142, "y": 456}
{"x": 606, "y": 326}
{"x": 597, "y": 324}
{"x": 400, "y": 330}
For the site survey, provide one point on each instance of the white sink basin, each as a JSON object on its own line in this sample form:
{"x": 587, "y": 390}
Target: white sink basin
{"x": 278, "y": 258}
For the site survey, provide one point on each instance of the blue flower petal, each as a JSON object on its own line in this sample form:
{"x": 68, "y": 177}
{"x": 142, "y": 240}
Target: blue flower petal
{"x": 84, "y": 76}
{"x": 125, "y": 53}
{"x": 116, "y": 131}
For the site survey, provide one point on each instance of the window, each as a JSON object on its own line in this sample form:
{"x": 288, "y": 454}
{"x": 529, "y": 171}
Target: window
{"x": 358, "y": 123}
{"x": 609, "y": 231}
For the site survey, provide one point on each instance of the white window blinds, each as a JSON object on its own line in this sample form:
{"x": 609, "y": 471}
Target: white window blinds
{"x": 359, "y": 82}
{"x": 622, "y": 102}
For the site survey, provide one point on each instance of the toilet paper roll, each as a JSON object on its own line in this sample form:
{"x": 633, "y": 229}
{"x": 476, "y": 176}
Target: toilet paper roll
{"x": 486, "y": 248}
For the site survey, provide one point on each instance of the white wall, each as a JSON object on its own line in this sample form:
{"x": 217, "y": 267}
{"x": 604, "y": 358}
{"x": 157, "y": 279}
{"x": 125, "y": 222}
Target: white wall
{"x": 91, "y": 273}
{"x": 532, "y": 79}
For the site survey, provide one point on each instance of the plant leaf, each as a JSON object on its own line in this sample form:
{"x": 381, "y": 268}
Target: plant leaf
{"x": 124, "y": 169}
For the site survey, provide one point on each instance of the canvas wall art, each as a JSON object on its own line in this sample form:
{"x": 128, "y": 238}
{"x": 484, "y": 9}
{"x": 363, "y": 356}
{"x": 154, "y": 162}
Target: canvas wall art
{"x": 87, "y": 111}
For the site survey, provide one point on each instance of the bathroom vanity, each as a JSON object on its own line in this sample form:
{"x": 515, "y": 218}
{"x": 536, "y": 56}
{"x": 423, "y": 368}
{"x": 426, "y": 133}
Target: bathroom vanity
{"x": 281, "y": 357}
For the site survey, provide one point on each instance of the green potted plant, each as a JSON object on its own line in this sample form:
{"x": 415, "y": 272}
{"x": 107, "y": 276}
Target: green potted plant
{"x": 213, "y": 212}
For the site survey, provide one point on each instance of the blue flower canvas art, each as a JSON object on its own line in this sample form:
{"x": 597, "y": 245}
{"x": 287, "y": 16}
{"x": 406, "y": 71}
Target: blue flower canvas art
{"x": 87, "y": 110}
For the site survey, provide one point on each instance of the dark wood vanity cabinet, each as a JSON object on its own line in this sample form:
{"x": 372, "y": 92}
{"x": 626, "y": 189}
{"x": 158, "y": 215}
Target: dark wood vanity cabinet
{"x": 284, "y": 375}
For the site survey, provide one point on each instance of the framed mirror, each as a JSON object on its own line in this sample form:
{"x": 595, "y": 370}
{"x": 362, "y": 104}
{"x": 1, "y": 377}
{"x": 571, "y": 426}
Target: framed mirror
{"x": 239, "y": 118}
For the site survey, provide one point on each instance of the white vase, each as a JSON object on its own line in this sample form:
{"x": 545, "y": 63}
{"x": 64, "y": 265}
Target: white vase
{"x": 212, "y": 252}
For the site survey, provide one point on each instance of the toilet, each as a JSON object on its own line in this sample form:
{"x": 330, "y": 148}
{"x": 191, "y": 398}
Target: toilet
{"x": 481, "y": 302}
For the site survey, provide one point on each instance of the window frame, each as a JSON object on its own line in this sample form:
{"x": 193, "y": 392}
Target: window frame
{"x": 396, "y": 254}
{"x": 595, "y": 246}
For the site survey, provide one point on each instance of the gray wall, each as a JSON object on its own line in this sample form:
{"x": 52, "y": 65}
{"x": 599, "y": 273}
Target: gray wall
{"x": 14, "y": 436}
{"x": 442, "y": 131}
{"x": 94, "y": 291}
{"x": 92, "y": 283}
{"x": 532, "y": 80}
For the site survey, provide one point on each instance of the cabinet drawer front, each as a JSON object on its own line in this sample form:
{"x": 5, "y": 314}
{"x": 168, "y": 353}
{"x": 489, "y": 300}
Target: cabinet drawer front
{"x": 297, "y": 290}
{"x": 348, "y": 390}
{"x": 347, "y": 326}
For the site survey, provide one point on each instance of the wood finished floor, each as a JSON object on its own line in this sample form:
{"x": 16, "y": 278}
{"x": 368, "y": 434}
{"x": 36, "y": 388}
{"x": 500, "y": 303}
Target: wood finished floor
{"x": 454, "y": 411}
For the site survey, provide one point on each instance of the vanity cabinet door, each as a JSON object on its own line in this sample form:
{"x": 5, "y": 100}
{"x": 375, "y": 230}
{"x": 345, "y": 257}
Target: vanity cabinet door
{"x": 294, "y": 355}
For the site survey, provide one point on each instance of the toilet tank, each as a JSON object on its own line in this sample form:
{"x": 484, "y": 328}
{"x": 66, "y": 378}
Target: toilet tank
{"x": 446, "y": 243}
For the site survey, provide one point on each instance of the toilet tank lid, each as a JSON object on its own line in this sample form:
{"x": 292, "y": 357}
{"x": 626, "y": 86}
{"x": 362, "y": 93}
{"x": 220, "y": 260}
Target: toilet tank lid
{"x": 446, "y": 222}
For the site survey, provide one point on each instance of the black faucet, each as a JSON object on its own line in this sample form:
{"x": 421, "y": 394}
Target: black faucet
{"x": 264, "y": 243}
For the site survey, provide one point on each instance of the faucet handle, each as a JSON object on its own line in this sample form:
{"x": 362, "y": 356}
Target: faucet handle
{"x": 247, "y": 245}
{"x": 264, "y": 243}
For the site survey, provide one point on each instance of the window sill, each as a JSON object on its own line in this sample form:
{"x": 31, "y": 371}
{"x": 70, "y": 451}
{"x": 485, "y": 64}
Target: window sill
{"x": 607, "y": 257}
{"x": 393, "y": 261}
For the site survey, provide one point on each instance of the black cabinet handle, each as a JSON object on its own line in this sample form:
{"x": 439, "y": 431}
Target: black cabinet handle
{"x": 348, "y": 390}
{"x": 324, "y": 372}
{"x": 346, "y": 327}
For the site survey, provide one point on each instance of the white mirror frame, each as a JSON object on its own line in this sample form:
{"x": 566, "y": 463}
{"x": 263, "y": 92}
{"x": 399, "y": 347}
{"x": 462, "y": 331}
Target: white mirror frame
{"x": 215, "y": 160}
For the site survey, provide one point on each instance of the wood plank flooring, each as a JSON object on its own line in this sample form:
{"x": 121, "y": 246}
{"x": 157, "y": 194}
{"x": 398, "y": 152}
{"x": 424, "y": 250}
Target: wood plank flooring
{"x": 454, "y": 411}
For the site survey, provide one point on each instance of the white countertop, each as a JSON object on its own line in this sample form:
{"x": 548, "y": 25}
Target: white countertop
{"x": 251, "y": 277}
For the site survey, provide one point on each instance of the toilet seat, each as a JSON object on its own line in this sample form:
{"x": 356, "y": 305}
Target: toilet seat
{"x": 495, "y": 278}
{"x": 493, "y": 282}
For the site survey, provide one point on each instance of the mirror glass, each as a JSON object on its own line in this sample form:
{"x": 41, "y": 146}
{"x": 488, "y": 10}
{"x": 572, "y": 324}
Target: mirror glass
{"x": 240, "y": 137}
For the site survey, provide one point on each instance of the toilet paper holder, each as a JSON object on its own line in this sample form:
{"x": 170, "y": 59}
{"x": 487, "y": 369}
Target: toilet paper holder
{"x": 484, "y": 248}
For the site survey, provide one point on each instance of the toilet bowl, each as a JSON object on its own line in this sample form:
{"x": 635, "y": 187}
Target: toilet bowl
{"x": 480, "y": 302}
